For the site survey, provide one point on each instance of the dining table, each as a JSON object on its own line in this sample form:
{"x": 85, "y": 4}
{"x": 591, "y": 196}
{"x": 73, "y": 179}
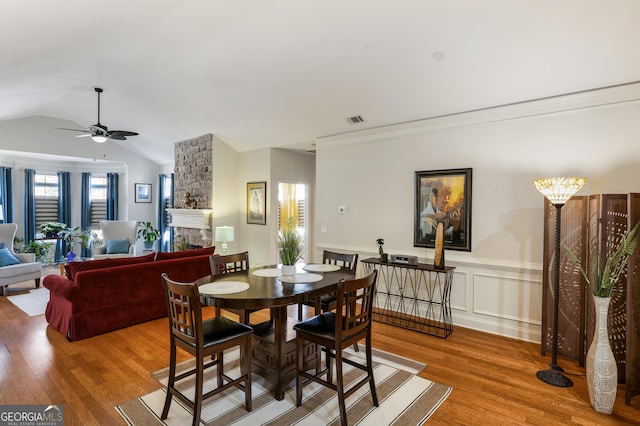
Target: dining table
{"x": 273, "y": 345}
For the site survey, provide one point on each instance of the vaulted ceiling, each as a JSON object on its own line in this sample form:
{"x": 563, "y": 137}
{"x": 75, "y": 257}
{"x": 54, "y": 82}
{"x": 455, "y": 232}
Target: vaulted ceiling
{"x": 260, "y": 73}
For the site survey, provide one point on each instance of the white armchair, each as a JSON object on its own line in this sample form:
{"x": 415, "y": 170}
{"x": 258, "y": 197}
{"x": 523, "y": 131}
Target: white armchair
{"x": 27, "y": 269}
{"x": 114, "y": 232}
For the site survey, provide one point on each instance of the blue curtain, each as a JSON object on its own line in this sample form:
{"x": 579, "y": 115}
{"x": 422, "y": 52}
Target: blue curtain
{"x": 165, "y": 183}
{"x": 64, "y": 209}
{"x": 29, "y": 205}
{"x": 112, "y": 196}
{"x": 6, "y": 194}
{"x": 85, "y": 209}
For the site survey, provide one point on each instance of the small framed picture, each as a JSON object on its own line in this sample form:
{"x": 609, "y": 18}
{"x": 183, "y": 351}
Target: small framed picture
{"x": 257, "y": 203}
{"x": 143, "y": 192}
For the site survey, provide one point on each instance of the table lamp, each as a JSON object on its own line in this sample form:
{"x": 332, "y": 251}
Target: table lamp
{"x": 558, "y": 191}
{"x": 224, "y": 234}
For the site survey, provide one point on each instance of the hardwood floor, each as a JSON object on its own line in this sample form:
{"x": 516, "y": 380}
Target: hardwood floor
{"x": 493, "y": 378}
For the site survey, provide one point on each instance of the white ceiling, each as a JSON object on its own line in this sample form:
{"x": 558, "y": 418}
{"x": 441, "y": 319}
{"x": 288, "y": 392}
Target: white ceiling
{"x": 261, "y": 73}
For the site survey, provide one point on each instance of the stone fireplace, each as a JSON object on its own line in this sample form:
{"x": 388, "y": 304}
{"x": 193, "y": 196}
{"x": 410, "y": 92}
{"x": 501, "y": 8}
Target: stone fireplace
{"x": 193, "y": 174}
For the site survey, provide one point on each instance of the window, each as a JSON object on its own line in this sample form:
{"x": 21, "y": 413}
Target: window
{"x": 98, "y": 197}
{"x": 46, "y": 194}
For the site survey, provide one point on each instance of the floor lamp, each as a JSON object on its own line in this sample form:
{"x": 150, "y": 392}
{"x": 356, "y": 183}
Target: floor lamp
{"x": 558, "y": 190}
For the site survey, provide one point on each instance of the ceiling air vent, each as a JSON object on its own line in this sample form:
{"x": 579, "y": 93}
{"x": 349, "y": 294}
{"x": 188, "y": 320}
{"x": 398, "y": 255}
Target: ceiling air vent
{"x": 355, "y": 119}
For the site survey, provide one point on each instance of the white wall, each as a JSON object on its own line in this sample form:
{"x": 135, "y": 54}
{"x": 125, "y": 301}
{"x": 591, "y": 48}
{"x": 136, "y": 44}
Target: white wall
{"x": 225, "y": 201}
{"x": 254, "y": 166}
{"x": 497, "y": 286}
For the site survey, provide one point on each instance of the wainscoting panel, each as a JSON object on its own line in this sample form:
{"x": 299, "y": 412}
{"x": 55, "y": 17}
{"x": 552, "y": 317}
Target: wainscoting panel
{"x": 507, "y": 298}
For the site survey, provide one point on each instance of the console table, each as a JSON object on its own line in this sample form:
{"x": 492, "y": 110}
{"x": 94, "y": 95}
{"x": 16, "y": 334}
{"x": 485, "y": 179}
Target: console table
{"x": 417, "y": 297}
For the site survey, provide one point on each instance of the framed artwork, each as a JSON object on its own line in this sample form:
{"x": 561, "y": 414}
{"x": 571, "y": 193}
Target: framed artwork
{"x": 143, "y": 192}
{"x": 257, "y": 203}
{"x": 443, "y": 197}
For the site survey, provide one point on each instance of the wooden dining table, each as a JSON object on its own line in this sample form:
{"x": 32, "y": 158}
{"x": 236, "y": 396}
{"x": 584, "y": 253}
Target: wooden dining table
{"x": 273, "y": 346}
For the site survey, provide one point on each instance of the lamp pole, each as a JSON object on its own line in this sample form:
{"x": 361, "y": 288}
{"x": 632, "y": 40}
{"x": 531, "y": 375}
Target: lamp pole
{"x": 558, "y": 191}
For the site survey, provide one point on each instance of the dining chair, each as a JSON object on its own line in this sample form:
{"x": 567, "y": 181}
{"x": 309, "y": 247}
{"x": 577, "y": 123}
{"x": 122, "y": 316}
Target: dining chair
{"x": 335, "y": 331}
{"x": 328, "y": 301}
{"x": 227, "y": 264}
{"x": 202, "y": 339}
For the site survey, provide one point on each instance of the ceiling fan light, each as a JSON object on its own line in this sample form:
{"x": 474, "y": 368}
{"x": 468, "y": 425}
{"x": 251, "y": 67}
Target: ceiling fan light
{"x": 99, "y": 138}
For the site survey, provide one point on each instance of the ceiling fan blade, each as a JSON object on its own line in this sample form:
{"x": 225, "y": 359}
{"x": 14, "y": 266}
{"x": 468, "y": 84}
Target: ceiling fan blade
{"x": 72, "y": 130}
{"x": 121, "y": 133}
{"x": 117, "y": 137}
{"x": 86, "y": 135}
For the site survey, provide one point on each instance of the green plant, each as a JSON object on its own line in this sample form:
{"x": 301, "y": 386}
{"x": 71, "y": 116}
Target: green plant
{"x": 39, "y": 248}
{"x": 290, "y": 243}
{"x": 147, "y": 232}
{"x": 180, "y": 243}
{"x": 52, "y": 228}
{"x": 74, "y": 235}
{"x": 17, "y": 244}
{"x": 604, "y": 279}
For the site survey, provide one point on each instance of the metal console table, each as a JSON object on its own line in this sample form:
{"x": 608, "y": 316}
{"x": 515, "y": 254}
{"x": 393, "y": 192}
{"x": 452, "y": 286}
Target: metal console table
{"x": 417, "y": 297}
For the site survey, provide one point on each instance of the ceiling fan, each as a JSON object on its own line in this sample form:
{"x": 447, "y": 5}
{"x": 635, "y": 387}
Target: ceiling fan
{"x": 99, "y": 132}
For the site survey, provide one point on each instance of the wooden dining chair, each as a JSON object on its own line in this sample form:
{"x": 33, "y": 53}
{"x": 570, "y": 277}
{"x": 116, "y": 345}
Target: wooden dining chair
{"x": 328, "y": 301}
{"x": 335, "y": 331}
{"x": 227, "y": 264}
{"x": 202, "y": 339}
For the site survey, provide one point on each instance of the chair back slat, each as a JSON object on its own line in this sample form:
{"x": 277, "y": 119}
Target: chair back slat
{"x": 227, "y": 264}
{"x": 354, "y": 305}
{"x": 341, "y": 259}
{"x": 184, "y": 309}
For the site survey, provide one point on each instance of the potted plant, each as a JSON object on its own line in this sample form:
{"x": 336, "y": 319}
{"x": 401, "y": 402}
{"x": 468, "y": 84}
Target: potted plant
{"x": 289, "y": 246}
{"x": 51, "y": 229}
{"x": 148, "y": 234}
{"x": 39, "y": 248}
{"x": 71, "y": 236}
{"x": 602, "y": 370}
{"x": 180, "y": 243}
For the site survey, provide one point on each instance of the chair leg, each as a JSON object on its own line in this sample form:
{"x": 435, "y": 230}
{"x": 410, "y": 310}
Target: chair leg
{"x": 299, "y": 367}
{"x": 328, "y": 362}
{"x": 372, "y": 383}
{"x": 300, "y": 311}
{"x": 356, "y": 347}
{"x": 220, "y": 367}
{"x": 37, "y": 282}
{"x": 340, "y": 388}
{"x": 197, "y": 400}
{"x": 171, "y": 381}
{"x": 247, "y": 369}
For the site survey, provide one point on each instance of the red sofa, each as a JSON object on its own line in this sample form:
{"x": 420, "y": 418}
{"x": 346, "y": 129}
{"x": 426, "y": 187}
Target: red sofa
{"x": 105, "y": 295}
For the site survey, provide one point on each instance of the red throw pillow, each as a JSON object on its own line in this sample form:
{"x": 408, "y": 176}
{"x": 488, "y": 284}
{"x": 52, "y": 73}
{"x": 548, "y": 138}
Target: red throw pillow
{"x": 185, "y": 253}
{"x": 72, "y": 268}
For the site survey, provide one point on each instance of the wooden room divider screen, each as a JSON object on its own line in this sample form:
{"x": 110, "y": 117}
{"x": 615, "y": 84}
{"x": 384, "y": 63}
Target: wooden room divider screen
{"x": 586, "y": 222}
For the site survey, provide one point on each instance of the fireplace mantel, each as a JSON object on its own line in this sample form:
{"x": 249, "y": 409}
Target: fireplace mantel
{"x": 190, "y": 218}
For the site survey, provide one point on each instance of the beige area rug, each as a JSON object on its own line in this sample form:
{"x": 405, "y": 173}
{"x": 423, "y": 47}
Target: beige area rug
{"x": 32, "y": 303}
{"x": 404, "y": 399}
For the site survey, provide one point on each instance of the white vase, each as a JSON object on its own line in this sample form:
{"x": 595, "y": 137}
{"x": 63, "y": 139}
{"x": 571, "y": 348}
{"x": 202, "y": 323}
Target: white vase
{"x": 288, "y": 269}
{"x": 602, "y": 370}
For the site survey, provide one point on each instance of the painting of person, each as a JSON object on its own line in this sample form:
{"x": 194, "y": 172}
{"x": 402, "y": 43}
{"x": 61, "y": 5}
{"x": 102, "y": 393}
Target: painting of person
{"x": 255, "y": 210}
{"x": 440, "y": 199}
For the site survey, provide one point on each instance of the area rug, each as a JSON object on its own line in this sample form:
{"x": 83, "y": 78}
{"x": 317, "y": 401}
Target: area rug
{"x": 404, "y": 399}
{"x": 32, "y": 303}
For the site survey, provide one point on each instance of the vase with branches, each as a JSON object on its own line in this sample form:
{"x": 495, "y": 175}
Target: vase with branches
{"x": 601, "y": 365}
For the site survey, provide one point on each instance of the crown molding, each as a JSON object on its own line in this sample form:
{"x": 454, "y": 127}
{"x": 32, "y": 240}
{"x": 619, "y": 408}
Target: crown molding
{"x": 593, "y": 98}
